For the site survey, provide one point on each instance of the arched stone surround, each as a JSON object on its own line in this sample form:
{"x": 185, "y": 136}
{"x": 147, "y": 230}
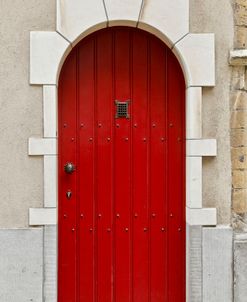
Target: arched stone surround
{"x": 169, "y": 21}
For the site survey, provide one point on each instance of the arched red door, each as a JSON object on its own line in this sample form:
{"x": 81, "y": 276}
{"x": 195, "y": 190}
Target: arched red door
{"x": 121, "y": 217}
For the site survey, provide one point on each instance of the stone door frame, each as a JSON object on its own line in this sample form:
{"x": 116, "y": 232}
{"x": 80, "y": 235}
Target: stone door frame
{"x": 196, "y": 54}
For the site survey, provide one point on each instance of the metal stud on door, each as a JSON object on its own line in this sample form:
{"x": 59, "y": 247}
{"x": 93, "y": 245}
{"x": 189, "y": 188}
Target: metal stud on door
{"x": 121, "y": 220}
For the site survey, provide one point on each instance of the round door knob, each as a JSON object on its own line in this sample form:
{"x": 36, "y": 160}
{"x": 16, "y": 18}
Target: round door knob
{"x": 69, "y": 168}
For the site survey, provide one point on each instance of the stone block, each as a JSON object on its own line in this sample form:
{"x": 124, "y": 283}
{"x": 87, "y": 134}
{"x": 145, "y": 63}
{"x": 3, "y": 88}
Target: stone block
{"x": 238, "y": 138}
{"x": 196, "y": 53}
{"x": 239, "y": 222}
{"x": 42, "y": 216}
{"x": 50, "y": 181}
{"x": 217, "y": 264}
{"x": 194, "y": 182}
{"x": 240, "y": 270}
{"x": 50, "y": 110}
{"x": 239, "y": 179}
{"x": 238, "y": 78}
{"x": 161, "y": 17}
{"x": 240, "y": 41}
{"x": 240, "y": 9}
{"x": 239, "y": 100}
{"x": 239, "y": 158}
{"x": 201, "y": 147}
{"x": 239, "y": 201}
{"x": 194, "y": 112}
{"x": 21, "y": 265}
{"x": 123, "y": 12}
{"x": 77, "y": 18}
{"x": 47, "y": 51}
{"x": 42, "y": 146}
{"x": 204, "y": 216}
{"x": 238, "y": 119}
{"x": 238, "y": 57}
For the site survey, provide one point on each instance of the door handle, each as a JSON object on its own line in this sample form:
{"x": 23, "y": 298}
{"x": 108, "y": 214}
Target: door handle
{"x": 69, "y": 168}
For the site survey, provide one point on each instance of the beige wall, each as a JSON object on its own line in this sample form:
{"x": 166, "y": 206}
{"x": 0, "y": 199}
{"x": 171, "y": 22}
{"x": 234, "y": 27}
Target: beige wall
{"x": 20, "y": 109}
{"x": 217, "y": 16}
{"x": 21, "y": 181}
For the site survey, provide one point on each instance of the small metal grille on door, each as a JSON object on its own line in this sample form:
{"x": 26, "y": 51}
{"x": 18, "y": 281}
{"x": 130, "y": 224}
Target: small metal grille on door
{"x": 122, "y": 109}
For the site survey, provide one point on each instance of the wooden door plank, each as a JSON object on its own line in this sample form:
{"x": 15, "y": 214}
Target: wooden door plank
{"x": 67, "y": 232}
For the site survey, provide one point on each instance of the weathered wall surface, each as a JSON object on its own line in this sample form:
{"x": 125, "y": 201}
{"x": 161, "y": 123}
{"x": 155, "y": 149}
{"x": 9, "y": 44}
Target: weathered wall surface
{"x": 20, "y": 109}
{"x": 204, "y": 17}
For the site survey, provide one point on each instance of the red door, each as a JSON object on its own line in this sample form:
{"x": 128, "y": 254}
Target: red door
{"x": 121, "y": 217}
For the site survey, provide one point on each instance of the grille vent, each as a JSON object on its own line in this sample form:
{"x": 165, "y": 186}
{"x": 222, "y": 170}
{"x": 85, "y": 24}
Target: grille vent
{"x": 122, "y": 109}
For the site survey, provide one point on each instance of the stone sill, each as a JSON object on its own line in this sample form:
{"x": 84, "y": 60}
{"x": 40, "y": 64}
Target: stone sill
{"x": 238, "y": 57}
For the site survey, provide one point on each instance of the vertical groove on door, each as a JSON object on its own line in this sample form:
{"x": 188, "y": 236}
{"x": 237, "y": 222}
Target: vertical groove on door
{"x": 104, "y": 162}
{"x": 182, "y": 181}
{"x": 157, "y": 171}
{"x": 95, "y": 171}
{"x": 165, "y": 181}
{"x": 114, "y": 169}
{"x": 149, "y": 171}
{"x": 112, "y": 176}
{"x": 139, "y": 112}
{"x": 131, "y": 159}
{"x": 122, "y": 169}
{"x": 87, "y": 96}
{"x": 176, "y": 186}
{"x": 181, "y": 222}
{"x": 169, "y": 126}
{"x": 78, "y": 233}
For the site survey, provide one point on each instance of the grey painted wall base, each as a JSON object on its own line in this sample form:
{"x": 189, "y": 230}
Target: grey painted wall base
{"x": 209, "y": 267}
{"x": 217, "y": 264}
{"x": 240, "y": 268}
{"x": 21, "y": 265}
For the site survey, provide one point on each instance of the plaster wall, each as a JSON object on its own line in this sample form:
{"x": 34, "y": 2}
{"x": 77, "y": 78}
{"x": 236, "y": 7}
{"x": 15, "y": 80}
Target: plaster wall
{"x": 217, "y": 16}
{"x": 21, "y": 184}
{"x": 21, "y": 179}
